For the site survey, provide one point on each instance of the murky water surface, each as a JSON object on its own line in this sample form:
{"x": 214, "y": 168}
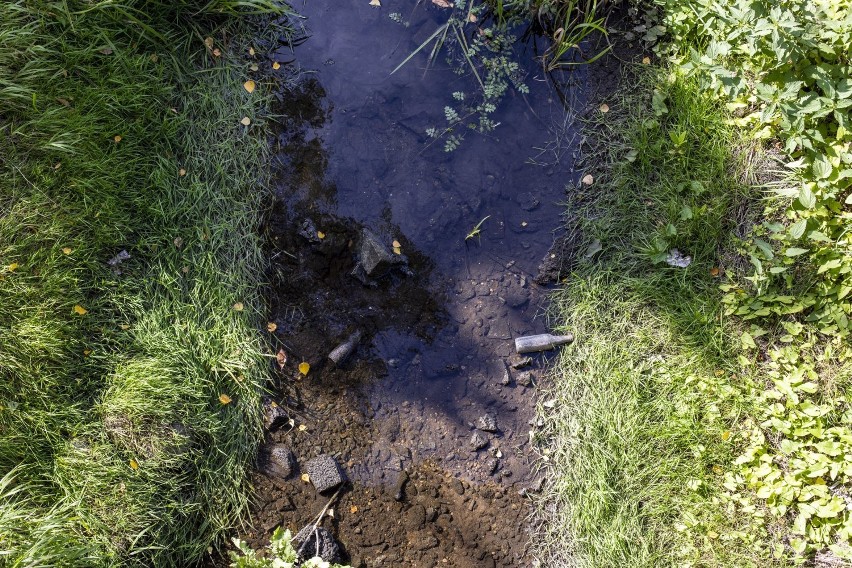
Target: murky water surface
{"x": 437, "y": 350}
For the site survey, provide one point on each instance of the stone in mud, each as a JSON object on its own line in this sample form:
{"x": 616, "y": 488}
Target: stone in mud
{"x": 478, "y": 441}
{"x": 487, "y": 423}
{"x": 311, "y": 541}
{"x": 525, "y": 379}
{"x": 280, "y": 461}
{"x": 506, "y": 378}
{"x": 521, "y": 362}
{"x": 308, "y": 231}
{"x": 274, "y": 416}
{"x": 491, "y": 465}
{"x": 325, "y": 473}
{"x": 528, "y": 201}
{"x": 375, "y": 258}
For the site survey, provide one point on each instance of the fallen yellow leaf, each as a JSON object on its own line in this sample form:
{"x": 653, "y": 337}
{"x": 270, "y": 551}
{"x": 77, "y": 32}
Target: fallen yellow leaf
{"x": 249, "y": 86}
{"x": 276, "y": 66}
{"x": 216, "y": 52}
{"x": 604, "y": 108}
{"x": 304, "y": 367}
{"x": 271, "y": 326}
{"x": 124, "y": 326}
{"x": 588, "y": 179}
{"x": 302, "y": 427}
{"x": 134, "y": 464}
{"x": 117, "y": 138}
{"x": 353, "y": 509}
{"x": 87, "y": 352}
{"x": 254, "y": 67}
{"x": 646, "y": 60}
{"x": 208, "y": 42}
{"x": 717, "y": 470}
{"x": 714, "y": 272}
{"x": 375, "y": 3}
{"x": 224, "y": 399}
{"x": 726, "y": 435}
{"x": 80, "y": 310}
{"x": 67, "y": 250}
{"x": 238, "y": 306}
{"x": 397, "y": 250}
{"x": 13, "y": 267}
{"x": 245, "y": 121}
{"x": 306, "y": 478}
{"x": 181, "y": 172}
{"x": 472, "y": 18}
{"x": 712, "y": 535}
{"x": 251, "y": 51}
{"x": 281, "y": 358}
{"x": 442, "y": 3}
{"x": 320, "y": 234}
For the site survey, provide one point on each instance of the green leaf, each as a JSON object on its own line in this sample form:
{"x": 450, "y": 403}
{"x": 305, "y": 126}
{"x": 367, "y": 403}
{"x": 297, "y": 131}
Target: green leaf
{"x": 797, "y": 229}
{"x": 658, "y": 103}
{"x": 807, "y": 197}
{"x": 821, "y": 167}
{"x": 747, "y": 341}
{"x": 795, "y": 251}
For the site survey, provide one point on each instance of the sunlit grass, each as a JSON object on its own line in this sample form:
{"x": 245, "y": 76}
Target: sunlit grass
{"x": 121, "y": 131}
{"x": 643, "y": 396}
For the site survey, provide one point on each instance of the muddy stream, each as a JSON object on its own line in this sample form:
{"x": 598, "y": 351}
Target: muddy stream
{"x": 430, "y": 417}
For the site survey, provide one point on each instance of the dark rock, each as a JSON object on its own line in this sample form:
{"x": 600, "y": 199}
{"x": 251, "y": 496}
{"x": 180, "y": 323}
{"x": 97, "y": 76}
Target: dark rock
{"x": 399, "y": 490}
{"x": 415, "y": 517}
{"x": 491, "y": 465}
{"x": 280, "y": 461}
{"x": 308, "y": 231}
{"x": 527, "y": 201}
{"x": 310, "y": 542}
{"x": 423, "y": 541}
{"x": 374, "y": 257}
{"x": 478, "y": 441}
{"x": 325, "y": 473}
{"x": 517, "y": 297}
{"x": 525, "y": 379}
{"x": 521, "y": 362}
{"x": 487, "y": 423}
{"x": 274, "y": 416}
{"x": 506, "y": 379}
{"x": 457, "y": 486}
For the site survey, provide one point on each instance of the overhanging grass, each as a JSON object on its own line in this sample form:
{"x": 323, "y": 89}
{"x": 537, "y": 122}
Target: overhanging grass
{"x": 114, "y": 444}
{"x": 636, "y": 427}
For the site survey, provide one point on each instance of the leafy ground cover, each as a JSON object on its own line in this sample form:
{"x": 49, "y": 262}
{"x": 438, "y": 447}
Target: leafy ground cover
{"x": 130, "y": 262}
{"x": 702, "y": 418}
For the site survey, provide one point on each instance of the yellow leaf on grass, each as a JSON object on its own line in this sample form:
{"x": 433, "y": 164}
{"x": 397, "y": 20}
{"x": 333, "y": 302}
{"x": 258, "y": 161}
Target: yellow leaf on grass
{"x": 604, "y": 108}
{"x": 320, "y": 235}
{"x": 238, "y": 306}
{"x": 254, "y": 67}
{"x": 712, "y": 535}
{"x": 208, "y": 42}
{"x": 134, "y": 464}
{"x": 304, "y": 367}
{"x": 276, "y": 66}
{"x": 117, "y": 138}
{"x": 87, "y": 352}
{"x": 646, "y": 60}
{"x": 67, "y": 250}
{"x": 271, "y": 326}
{"x": 216, "y": 52}
{"x": 13, "y": 267}
{"x": 80, "y": 310}
{"x": 472, "y": 18}
{"x": 224, "y": 399}
{"x": 249, "y": 86}
{"x": 124, "y": 326}
{"x": 717, "y": 470}
{"x": 181, "y": 172}
{"x": 251, "y": 51}
{"x": 306, "y": 478}
{"x": 245, "y": 121}
{"x": 588, "y": 179}
{"x": 726, "y": 435}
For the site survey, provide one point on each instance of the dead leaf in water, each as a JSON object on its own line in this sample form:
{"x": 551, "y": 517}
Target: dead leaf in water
{"x": 224, "y": 399}
{"x": 249, "y": 86}
{"x": 304, "y": 367}
{"x": 281, "y": 358}
{"x": 376, "y": 3}
{"x": 588, "y": 179}
{"x": 397, "y": 248}
{"x": 442, "y": 3}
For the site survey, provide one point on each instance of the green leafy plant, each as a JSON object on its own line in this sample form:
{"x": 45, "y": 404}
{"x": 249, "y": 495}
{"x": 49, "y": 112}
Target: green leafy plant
{"x": 280, "y": 554}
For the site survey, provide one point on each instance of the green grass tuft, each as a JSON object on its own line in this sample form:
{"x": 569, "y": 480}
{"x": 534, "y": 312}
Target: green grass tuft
{"x": 135, "y": 380}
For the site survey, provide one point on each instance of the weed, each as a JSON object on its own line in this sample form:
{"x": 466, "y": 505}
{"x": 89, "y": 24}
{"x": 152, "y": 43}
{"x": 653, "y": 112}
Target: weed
{"x": 477, "y": 230}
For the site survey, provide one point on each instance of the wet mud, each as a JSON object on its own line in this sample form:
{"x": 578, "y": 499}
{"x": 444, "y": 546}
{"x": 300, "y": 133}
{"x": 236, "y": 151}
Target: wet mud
{"x": 431, "y": 413}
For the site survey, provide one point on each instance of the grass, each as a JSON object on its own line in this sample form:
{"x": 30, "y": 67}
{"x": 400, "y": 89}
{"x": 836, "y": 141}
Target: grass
{"x": 121, "y": 131}
{"x": 637, "y": 426}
